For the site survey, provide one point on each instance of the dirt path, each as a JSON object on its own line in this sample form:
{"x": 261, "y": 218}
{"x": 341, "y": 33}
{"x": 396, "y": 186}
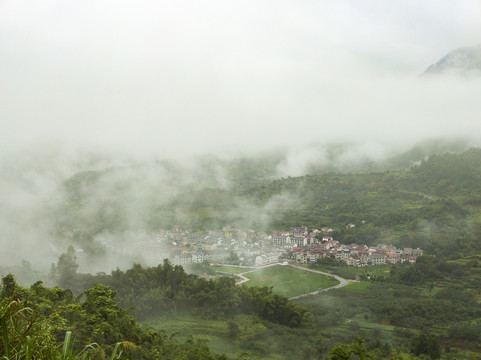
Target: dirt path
{"x": 243, "y": 279}
{"x": 426, "y": 196}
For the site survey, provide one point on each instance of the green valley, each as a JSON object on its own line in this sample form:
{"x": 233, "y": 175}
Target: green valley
{"x": 429, "y": 308}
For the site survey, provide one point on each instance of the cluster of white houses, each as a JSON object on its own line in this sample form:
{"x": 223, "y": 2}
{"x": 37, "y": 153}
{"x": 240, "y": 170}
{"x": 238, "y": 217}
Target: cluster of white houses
{"x": 354, "y": 254}
{"x": 298, "y": 244}
{"x": 185, "y": 247}
{"x": 187, "y": 257}
{"x": 306, "y": 247}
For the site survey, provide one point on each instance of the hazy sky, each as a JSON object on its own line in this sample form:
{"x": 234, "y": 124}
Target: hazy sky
{"x": 185, "y": 76}
{"x": 166, "y": 79}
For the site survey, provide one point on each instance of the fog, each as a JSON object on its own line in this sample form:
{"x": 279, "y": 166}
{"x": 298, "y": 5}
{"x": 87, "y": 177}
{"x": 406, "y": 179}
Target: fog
{"x": 94, "y": 84}
{"x": 191, "y": 77}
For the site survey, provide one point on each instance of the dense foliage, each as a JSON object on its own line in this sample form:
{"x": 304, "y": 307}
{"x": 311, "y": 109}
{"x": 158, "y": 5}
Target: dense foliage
{"x": 35, "y": 321}
{"x": 167, "y": 289}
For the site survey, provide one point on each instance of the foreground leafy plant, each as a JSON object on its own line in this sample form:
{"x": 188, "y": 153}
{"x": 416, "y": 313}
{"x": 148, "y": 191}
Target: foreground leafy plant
{"x": 25, "y": 335}
{"x": 44, "y": 329}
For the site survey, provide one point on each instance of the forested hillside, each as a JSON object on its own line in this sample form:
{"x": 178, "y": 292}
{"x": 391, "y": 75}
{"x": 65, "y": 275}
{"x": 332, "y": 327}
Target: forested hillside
{"x": 426, "y": 205}
{"x": 434, "y": 205}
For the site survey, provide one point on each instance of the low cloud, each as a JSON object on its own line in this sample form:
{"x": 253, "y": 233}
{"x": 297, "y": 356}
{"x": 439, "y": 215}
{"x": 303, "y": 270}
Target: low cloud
{"x": 146, "y": 88}
{"x": 182, "y": 79}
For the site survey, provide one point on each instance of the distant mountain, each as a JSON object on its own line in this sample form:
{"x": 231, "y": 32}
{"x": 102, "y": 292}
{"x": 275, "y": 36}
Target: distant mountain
{"x": 465, "y": 61}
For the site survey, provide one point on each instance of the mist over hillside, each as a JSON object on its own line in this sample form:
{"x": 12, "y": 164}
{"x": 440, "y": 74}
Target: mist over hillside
{"x": 151, "y": 151}
{"x": 53, "y": 196}
{"x": 125, "y": 115}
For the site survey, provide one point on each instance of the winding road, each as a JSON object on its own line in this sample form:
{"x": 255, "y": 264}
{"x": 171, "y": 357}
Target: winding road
{"x": 342, "y": 282}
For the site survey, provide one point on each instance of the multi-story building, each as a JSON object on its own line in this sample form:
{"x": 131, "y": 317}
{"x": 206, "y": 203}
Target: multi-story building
{"x": 378, "y": 259}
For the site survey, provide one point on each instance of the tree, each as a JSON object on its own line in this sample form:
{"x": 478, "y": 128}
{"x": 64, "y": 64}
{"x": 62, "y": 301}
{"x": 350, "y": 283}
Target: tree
{"x": 67, "y": 267}
{"x": 8, "y": 286}
{"x": 233, "y": 259}
{"x": 233, "y": 329}
{"x": 428, "y": 345}
{"x": 344, "y": 352}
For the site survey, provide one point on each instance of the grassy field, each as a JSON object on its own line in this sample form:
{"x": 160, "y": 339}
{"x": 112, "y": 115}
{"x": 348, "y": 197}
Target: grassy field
{"x": 231, "y": 269}
{"x": 216, "y": 332}
{"x": 288, "y": 281}
{"x": 185, "y": 326}
{"x": 352, "y": 272}
{"x": 358, "y": 286}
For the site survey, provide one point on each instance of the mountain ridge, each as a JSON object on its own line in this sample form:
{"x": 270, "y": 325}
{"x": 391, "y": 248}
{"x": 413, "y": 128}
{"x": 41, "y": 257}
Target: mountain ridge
{"x": 464, "y": 61}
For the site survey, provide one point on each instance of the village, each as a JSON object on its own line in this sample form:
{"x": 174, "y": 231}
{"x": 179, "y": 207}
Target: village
{"x": 233, "y": 246}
